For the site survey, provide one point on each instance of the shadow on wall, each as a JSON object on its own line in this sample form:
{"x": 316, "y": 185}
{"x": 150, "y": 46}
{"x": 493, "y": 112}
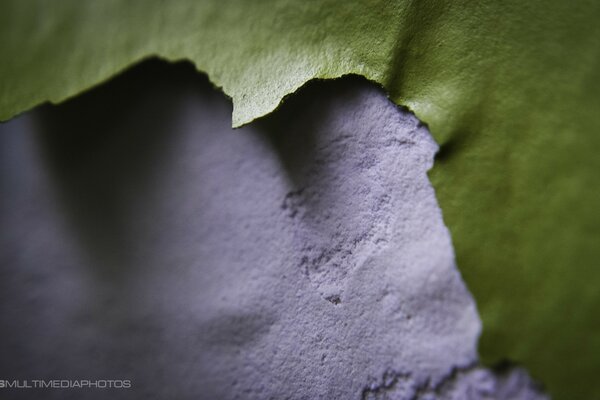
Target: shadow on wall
{"x": 102, "y": 149}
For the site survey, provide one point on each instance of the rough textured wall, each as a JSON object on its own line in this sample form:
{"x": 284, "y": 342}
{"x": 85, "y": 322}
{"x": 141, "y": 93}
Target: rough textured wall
{"x": 303, "y": 256}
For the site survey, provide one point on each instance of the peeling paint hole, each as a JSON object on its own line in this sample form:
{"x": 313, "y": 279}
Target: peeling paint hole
{"x": 334, "y": 299}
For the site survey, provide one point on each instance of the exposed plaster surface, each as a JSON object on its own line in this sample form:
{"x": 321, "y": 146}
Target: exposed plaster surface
{"x": 302, "y": 257}
{"x": 468, "y": 384}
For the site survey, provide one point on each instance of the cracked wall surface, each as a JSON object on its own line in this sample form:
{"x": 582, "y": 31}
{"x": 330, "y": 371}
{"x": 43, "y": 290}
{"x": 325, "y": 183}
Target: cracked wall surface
{"x": 303, "y": 256}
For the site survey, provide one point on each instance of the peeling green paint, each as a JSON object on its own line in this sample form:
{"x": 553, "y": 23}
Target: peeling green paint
{"x": 511, "y": 91}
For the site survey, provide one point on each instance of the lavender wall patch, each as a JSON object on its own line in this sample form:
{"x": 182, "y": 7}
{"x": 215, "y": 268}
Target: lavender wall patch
{"x": 301, "y": 257}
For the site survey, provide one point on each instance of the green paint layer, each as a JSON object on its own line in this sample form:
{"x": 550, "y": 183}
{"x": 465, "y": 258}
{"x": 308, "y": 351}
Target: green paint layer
{"x": 511, "y": 91}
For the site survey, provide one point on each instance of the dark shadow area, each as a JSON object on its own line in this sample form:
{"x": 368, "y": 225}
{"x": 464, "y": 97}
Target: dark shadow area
{"x": 450, "y": 147}
{"x": 103, "y": 147}
{"x": 294, "y": 136}
{"x": 462, "y": 137}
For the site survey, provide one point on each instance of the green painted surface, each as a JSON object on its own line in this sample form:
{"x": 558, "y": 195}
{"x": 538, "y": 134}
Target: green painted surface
{"x": 511, "y": 91}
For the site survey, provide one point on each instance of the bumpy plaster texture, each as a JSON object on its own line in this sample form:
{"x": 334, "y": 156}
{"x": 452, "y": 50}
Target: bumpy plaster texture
{"x": 301, "y": 257}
